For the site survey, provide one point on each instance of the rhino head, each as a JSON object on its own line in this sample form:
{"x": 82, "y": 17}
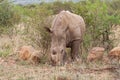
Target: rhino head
{"x": 58, "y": 46}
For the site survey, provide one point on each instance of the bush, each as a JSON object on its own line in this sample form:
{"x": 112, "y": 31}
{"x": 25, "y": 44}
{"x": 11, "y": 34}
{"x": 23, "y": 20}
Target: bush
{"x": 8, "y": 16}
{"x": 99, "y": 16}
{"x": 98, "y": 22}
{"x": 95, "y": 13}
{"x": 35, "y": 26}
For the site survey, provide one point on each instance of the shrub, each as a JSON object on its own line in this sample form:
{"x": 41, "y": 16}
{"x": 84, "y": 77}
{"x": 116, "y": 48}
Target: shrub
{"x": 96, "y": 13}
{"x": 8, "y": 16}
{"x": 98, "y": 22}
{"x": 35, "y": 26}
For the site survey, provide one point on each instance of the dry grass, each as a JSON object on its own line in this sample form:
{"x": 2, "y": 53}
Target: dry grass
{"x": 115, "y": 36}
{"x": 10, "y": 70}
{"x": 20, "y": 70}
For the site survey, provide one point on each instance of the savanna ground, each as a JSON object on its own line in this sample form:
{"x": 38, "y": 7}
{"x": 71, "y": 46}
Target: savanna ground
{"x": 23, "y": 25}
{"x": 18, "y": 70}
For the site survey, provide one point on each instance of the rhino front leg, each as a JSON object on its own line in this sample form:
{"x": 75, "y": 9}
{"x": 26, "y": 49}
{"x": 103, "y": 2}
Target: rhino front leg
{"x": 75, "y": 50}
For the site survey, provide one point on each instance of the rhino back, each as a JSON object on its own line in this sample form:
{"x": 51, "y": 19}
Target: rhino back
{"x": 75, "y": 24}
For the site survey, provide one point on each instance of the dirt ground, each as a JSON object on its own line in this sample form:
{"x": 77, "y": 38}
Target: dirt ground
{"x": 16, "y": 70}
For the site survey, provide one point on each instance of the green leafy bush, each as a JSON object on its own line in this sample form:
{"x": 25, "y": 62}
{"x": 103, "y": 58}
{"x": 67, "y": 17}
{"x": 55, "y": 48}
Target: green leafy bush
{"x": 95, "y": 13}
{"x": 98, "y": 22}
{"x": 8, "y": 16}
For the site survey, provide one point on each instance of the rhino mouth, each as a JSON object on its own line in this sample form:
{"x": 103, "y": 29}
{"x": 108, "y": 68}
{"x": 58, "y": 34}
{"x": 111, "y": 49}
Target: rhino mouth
{"x": 55, "y": 63}
{"x": 60, "y": 62}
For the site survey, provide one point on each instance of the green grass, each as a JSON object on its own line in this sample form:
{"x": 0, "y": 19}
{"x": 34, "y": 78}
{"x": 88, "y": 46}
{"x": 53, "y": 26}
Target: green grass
{"x": 4, "y": 53}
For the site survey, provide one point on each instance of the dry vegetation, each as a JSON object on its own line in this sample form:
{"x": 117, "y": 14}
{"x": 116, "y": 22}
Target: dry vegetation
{"x": 25, "y": 27}
{"x": 115, "y": 35}
{"x": 10, "y": 70}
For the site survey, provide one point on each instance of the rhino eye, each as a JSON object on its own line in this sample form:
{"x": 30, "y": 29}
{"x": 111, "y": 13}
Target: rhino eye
{"x": 62, "y": 51}
{"x": 54, "y": 53}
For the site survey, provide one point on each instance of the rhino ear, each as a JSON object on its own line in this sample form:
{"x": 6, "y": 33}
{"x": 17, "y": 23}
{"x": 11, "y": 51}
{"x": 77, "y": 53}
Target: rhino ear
{"x": 48, "y": 29}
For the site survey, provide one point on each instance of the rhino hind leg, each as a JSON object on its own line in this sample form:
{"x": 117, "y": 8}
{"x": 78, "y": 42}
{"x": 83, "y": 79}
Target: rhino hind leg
{"x": 75, "y": 50}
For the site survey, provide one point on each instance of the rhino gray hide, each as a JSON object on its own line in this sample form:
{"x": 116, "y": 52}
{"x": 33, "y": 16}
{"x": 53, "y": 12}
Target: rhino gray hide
{"x": 66, "y": 31}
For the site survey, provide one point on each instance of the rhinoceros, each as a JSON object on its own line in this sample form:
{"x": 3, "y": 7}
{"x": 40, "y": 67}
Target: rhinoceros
{"x": 67, "y": 30}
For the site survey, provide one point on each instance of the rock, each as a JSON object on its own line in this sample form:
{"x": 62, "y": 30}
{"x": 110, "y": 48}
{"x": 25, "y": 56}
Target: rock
{"x": 28, "y": 53}
{"x": 114, "y": 53}
{"x": 96, "y": 53}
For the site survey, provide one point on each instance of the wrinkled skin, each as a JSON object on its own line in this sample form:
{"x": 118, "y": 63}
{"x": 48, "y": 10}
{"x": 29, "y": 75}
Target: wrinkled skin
{"x": 66, "y": 31}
